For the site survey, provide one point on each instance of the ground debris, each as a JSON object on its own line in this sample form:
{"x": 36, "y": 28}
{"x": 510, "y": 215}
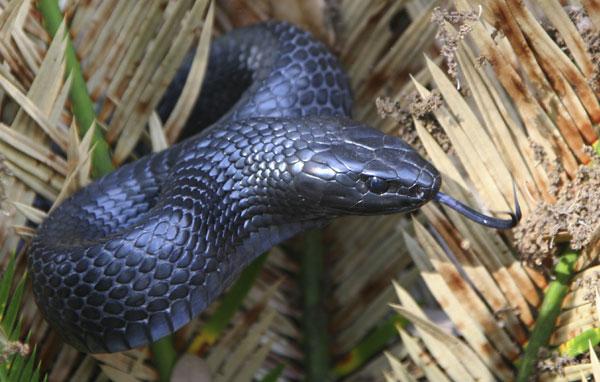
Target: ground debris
{"x": 573, "y": 218}
{"x": 421, "y": 107}
{"x": 590, "y": 283}
{"x": 555, "y": 363}
{"x": 418, "y": 108}
{"x": 10, "y": 348}
{"x": 448, "y": 39}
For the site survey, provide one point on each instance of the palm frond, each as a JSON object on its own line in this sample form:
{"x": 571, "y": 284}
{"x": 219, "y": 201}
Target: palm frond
{"x": 16, "y": 362}
{"x": 507, "y": 93}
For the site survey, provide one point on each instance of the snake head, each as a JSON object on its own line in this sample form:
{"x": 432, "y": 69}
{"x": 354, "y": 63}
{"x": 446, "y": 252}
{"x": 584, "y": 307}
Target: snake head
{"x": 355, "y": 169}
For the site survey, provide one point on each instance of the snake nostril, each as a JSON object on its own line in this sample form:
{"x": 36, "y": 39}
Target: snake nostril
{"x": 418, "y": 191}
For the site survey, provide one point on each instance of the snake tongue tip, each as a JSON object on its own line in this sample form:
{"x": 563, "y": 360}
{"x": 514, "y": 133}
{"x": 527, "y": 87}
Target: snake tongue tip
{"x": 518, "y": 212}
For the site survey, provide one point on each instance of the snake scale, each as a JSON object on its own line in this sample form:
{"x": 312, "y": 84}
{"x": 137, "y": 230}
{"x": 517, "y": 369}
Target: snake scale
{"x": 137, "y": 254}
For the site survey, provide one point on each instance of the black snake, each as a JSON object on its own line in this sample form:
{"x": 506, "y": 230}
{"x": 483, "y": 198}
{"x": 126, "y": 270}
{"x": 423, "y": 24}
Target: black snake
{"x": 139, "y": 253}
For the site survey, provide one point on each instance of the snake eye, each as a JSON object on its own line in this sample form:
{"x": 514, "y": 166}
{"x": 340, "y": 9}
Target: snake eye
{"x": 377, "y": 185}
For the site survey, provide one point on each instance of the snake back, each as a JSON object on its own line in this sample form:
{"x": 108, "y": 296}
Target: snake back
{"x": 137, "y": 254}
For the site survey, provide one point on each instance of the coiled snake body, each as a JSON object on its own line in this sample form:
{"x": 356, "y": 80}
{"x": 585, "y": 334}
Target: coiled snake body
{"x": 139, "y": 253}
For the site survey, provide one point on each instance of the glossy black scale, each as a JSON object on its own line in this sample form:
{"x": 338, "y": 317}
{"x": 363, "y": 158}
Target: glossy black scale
{"x": 139, "y": 253}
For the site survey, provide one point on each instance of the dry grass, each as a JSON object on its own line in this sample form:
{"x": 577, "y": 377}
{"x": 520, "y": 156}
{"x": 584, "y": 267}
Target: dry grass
{"x": 515, "y": 99}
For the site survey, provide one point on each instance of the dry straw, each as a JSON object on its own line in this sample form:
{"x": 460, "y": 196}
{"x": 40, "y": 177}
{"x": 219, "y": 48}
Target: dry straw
{"x": 494, "y": 93}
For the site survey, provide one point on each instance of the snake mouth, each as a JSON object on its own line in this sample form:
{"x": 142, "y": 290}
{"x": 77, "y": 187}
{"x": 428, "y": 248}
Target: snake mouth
{"x": 478, "y": 217}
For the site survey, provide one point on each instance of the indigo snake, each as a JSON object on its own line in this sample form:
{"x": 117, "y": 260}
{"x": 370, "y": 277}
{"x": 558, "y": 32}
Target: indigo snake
{"x": 137, "y": 254}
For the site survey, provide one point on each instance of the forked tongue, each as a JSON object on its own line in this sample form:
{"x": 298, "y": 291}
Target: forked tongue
{"x": 478, "y": 217}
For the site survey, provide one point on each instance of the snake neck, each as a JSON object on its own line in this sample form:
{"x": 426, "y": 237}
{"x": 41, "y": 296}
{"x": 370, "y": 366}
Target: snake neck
{"x": 245, "y": 172}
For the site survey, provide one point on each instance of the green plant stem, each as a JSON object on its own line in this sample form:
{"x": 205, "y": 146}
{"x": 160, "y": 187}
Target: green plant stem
{"x": 83, "y": 111}
{"x": 164, "y": 357}
{"x": 82, "y": 105}
{"x": 274, "y": 374}
{"x": 230, "y": 304}
{"x": 581, "y": 343}
{"x": 372, "y": 344}
{"x": 316, "y": 342}
{"x": 548, "y": 312}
